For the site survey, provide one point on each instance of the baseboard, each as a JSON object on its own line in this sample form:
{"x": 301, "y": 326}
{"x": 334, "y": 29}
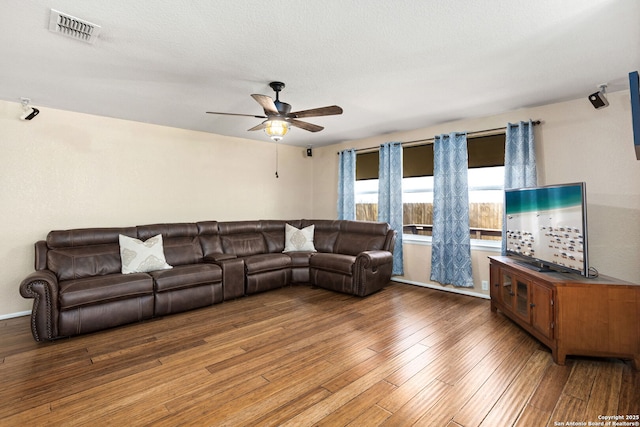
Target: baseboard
{"x": 441, "y": 288}
{"x": 12, "y": 315}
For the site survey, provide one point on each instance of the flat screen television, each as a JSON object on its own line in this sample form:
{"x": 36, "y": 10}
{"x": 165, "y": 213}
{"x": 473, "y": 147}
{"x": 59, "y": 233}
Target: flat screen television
{"x": 547, "y": 227}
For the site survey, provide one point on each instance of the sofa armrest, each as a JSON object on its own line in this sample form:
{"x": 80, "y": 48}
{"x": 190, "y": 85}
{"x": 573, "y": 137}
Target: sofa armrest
{"x": 372, "y": 271}
{"x": 232, "y": 274}
{"x": 216, "y": 258}
{"x": 42, "y": 286}
{"x": 373, "y": 259}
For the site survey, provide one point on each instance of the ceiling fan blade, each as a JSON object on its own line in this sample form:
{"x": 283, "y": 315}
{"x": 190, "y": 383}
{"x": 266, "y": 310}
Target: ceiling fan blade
{"x": 305, "y": 125}
{"x": 259, "y": 127}
{"x": 267, "y": 103}
{"x": 315, "y": 112}
{"x": 235, "y": 114}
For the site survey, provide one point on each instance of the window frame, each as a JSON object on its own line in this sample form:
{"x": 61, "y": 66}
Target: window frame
{"x": 481, "y": 159}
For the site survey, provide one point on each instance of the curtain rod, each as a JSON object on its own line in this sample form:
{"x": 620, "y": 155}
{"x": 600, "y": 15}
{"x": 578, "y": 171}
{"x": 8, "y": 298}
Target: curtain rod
{"x": 426, "y": 141}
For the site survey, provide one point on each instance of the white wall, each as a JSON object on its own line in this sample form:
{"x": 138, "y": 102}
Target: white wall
{"x": 574, "y": 143}
{"x": 68, "y": 170}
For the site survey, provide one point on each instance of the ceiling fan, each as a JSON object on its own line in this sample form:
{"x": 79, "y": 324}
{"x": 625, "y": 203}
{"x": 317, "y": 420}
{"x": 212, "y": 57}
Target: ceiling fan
{"x": 279, "y": 117}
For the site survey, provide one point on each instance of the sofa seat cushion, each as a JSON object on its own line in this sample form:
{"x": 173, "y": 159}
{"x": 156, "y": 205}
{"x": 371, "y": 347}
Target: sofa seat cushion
{"x": 266, "y": 262}
{"x": 300, "y": 259}
{"x": 337, "y": 263}
{"x": 101, "y": 289}
{"x": 186, "y": 276}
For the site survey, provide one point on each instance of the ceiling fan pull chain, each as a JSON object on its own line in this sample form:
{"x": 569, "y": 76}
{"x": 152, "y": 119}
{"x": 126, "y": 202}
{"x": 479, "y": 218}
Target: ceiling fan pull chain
{"x": 277, "y": 160}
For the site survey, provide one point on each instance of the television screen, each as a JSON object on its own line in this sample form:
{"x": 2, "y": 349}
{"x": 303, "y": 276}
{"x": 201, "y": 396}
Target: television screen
{"x": 548, "y": 226}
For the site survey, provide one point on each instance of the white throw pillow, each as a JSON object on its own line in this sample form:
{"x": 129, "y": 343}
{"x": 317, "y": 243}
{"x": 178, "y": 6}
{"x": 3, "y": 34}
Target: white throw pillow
{"x": 296, "y": 240}
{"x": 141, "y": 257}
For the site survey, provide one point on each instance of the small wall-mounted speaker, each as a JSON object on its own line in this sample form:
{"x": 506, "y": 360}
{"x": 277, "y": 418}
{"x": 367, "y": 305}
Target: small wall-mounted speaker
{"x": 598, "y": 100}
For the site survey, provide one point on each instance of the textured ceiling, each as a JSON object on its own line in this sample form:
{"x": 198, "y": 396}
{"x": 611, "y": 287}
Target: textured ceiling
{"x": 391, "y": 65}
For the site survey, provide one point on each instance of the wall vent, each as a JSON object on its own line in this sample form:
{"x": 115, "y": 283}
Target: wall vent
{"x": 73, "y": 27}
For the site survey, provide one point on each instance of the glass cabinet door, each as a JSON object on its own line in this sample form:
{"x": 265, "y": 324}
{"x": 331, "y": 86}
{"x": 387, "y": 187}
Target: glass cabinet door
{"x": 507, "y": 289}
{"x": 522, "y": 298}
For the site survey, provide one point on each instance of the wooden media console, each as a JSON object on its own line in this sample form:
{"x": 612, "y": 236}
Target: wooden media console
{"x": 569, "y": 313}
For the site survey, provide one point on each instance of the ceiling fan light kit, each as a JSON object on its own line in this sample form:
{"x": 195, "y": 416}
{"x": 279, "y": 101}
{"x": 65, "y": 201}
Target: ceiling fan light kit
{"x": 279, "y": 116}
{"x": 276, "y": 129}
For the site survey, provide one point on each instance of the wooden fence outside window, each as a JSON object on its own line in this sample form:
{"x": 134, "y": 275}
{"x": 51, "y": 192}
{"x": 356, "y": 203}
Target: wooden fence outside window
{"x": 485, "y": 219}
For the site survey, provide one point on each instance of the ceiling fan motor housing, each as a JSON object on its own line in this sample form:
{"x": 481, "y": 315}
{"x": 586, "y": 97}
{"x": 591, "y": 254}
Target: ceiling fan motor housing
{"x": 282, "y": 107}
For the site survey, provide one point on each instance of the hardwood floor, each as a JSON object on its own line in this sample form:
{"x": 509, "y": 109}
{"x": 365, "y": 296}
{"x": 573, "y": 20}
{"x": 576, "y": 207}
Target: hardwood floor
{"x": 303, "y": 356}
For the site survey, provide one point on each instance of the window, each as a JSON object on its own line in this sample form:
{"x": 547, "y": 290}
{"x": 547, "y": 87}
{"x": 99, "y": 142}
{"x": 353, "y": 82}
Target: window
{"x": 486, "y": 183}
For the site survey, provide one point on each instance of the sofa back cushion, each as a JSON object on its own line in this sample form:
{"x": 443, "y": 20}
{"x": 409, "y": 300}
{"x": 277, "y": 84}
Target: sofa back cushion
{"x": 274, "y": 233}
{"x": 87, "y": 236}
{"x": 242, "y": 238}
{"x": 180, "y": 241}
{"x": 325, "y": 233}
{"x": 209, "y": 237}
{"x": 41, "y": 255}
{"x": 358, "y": 236}
{"x": 74, "y": 254}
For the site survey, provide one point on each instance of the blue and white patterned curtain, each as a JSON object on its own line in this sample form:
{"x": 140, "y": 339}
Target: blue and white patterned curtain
{"x": 346, "y": 184}
{"x": 390, "y": 196}
{"x": 451, "y": 244}
{"x": 519, "y": 161}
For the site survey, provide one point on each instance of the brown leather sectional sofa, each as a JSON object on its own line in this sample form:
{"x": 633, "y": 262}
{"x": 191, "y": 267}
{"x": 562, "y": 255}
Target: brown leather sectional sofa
{"x": 78, "y": 286}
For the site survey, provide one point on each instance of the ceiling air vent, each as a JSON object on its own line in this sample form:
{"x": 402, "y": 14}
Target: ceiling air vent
{"x": 73, "y": 27}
